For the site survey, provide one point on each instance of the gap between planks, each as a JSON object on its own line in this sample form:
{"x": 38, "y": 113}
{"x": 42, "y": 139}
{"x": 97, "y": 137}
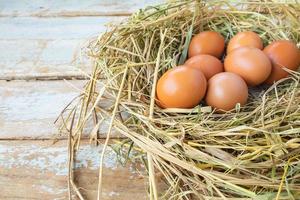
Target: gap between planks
{"x": 72, "y": 8}
{"x": 70, "y": 14}
{"x": 49, "y": 77}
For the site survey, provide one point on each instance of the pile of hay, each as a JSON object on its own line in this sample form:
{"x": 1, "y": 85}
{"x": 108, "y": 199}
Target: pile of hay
{"x": 252, "y": 152}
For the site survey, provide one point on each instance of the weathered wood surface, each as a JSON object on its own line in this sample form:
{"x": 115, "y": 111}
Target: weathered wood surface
{"x": 38, "y": 170}
{"x": 33, "y": 28}
{"x": 41, "y": 40}
{"x": 28, "y": 109}
{"x": 30, "y": 59}
{"x": 71, "y": 8}
{"x": 36, "y": 47}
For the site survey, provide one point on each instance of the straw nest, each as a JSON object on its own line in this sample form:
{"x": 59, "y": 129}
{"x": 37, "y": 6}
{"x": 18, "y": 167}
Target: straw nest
{"x": 252, "y": 152}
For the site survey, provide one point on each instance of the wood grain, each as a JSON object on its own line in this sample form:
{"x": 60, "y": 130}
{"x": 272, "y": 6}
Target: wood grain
{"x": 38, "y": 170}
{"x": 42, "y": 41}
{"x": 42, "y": 59}
{"x": 71, "y": 8}
{"x": 28, "y": 109}
{"x": 47, "y": 47}
{"x": 56, "y": 28}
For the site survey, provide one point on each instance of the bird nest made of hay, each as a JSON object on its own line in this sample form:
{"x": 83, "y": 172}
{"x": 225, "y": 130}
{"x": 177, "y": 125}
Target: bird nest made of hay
{"x": 251, "y": 152}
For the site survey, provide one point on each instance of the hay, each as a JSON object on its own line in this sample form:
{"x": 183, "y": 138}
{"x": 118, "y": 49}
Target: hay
{"x": 252, "y": 152}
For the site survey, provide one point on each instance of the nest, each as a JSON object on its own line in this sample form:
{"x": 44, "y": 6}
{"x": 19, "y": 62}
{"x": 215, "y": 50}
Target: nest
{"x": 251, "y": 152}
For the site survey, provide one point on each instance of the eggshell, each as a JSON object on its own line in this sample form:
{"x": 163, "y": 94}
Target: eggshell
{"x": 247, "y": 38}
{"x": 282, "y": 53}
{"x": 207, "y": 42}
{"x": 225, "y": 90}
{"x": 208, "y": 64}
{"x": 181, "y": 87}
{"x": 250, "y": 63}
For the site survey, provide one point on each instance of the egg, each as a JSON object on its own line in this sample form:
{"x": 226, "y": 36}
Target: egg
{"x": 282, "y": 53}
{"x": 247, "y": 38}
{"x": 208, "y": 64}
{"x": 250, "y": 63}
{"x": 207, "y": 42}
{"x": 181, "y": 87}
{"x": 225, "y": 90}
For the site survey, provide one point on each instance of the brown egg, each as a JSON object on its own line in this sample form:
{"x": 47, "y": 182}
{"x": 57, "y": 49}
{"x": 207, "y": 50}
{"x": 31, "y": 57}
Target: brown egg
{"x": 225, "y": 90}
{"x": 208, "y": 64}
{"x": 250, "y": 63}
{"x": 181, "y": 87}
{"x": 247, "y": 38}
{"x": 282, "y": 54}
{"x": 207, "y": 42}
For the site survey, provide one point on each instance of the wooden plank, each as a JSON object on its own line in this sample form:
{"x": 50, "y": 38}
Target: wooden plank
{"x": 48, "y": 47}
{"x": 37, "y": 59}
{"x": 28, "y": 109}
{"x": 70, "y": 8}
{"x": 57, "y": 28}
{"x": 38, "y": 170}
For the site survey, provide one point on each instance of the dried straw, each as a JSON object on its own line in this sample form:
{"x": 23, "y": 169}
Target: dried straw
{"x": 252, "y": 152}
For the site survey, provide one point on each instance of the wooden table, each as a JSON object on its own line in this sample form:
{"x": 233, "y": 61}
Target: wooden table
{"x": 39, "y": 48}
